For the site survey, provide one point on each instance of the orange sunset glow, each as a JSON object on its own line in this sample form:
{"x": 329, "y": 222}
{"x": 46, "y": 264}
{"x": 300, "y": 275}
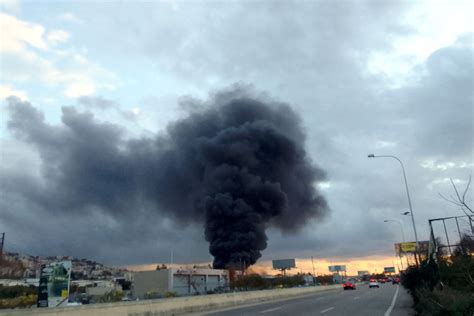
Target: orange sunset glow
{"x": 373, "y": 264}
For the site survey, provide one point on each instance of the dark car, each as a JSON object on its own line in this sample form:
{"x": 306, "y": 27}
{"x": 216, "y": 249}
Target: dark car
{"x": 395, "y": 280}
{"x": 349, "y": 286}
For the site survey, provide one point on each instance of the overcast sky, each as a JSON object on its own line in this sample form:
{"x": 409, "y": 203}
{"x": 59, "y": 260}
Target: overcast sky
{"x": 383, "y": 77}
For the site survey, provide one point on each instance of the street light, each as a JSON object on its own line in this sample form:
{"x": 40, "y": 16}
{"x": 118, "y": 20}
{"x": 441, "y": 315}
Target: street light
{"x": 408, "y": 193}
{"x": 399, "y": 223}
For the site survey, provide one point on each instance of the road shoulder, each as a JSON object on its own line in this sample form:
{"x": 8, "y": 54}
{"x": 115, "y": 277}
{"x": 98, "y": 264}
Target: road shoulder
{"x": 404, "y": 304}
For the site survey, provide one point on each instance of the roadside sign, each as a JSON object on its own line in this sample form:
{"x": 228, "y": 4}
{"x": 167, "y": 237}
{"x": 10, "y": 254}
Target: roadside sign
{"x": 283, "y": 264}
{"x": 408, "y": 246}
{"x": 54, "y": 284}
{"x": 389, "y": 270}
{"x": 337, "y": 268}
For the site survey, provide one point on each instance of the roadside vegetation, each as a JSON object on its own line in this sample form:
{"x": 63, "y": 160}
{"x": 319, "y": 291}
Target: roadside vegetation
{"x": 17, "y": 296}
{"x": 325, "y": 279}
{"x": 444, "y": 286}
{"x": 112, "y": 296}
{"x": 257, "y": 282}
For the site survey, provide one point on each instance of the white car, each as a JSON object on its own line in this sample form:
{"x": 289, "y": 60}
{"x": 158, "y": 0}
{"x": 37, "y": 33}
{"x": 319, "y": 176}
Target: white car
{"x": 373, "y": 283}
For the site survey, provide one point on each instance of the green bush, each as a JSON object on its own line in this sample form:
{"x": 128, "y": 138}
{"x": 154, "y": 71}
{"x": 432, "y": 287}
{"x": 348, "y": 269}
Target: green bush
{"x": 16, "y": 291}
{"x": 325, "y": 279}
{"x": 112, "y": 296}
{"x": 455, "y": 272}
{"x": 152, "y": 295}
{"x": 23, "y": 301}
{"x": 426, "y": 276}
{"x": 444, "y": 302}
{"x": 445, "y": 288}
{"x": 250, "y": 282}
{"x": 257, "y": 282}
{"x": 288, "y": 281}
{"x": 171, "y": 294}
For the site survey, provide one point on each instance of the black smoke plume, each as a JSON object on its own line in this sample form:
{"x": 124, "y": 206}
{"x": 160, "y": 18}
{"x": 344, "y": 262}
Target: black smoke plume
{"x": 237, "y": 164}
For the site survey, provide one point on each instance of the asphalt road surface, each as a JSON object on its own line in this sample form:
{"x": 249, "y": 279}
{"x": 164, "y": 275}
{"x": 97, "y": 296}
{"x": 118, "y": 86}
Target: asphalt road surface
{"x": 387, "y": 300}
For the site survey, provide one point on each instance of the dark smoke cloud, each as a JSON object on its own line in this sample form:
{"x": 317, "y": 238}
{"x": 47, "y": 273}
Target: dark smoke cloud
{"x": 238, "y": 165}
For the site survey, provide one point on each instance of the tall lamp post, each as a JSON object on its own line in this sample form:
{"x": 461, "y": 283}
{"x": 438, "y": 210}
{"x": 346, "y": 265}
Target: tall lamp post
{"x": 408, "y": 192}
{"x": 399, "y": 223}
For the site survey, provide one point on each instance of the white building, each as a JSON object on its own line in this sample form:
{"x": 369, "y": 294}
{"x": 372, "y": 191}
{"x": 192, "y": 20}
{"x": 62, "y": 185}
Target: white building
{"x": 179, "y": 281}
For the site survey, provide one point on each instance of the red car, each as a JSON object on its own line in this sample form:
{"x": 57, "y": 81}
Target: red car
{"x": 349, "y": 286}
{"x": 396, "y": 281}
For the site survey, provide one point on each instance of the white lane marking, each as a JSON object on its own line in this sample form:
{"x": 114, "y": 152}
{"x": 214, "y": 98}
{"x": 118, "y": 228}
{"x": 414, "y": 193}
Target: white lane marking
{"x": 389, "y": 310}
{"x": 357, "y": 297}
{"x": 270, "y": 310}
{"x": 326, "y": 310}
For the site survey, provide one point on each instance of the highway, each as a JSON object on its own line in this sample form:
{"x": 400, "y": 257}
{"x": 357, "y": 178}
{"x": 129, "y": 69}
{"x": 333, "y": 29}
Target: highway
{"x": 387, "y": 300}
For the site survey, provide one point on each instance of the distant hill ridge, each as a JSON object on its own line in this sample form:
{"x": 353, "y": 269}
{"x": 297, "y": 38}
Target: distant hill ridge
{"x": 17, "y": 266}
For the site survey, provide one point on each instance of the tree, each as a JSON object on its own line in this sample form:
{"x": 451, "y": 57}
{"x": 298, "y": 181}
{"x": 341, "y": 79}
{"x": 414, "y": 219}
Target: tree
{"x": 460, "y": 200}
{"x": 162, "y": 267}
{"x": 466, "y": 246}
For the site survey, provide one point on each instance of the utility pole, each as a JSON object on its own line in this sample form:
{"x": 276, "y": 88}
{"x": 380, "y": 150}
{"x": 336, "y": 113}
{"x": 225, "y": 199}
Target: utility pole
{"x": 312, "y": 263}
{"x": 470, "y": 223}
{"x": 2, "y": 242}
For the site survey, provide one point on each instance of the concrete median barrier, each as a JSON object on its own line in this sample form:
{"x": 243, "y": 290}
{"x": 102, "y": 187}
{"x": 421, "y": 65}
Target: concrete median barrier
{"x": 172, "y": 306}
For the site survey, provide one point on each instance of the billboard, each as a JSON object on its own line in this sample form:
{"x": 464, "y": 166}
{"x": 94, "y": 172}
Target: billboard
{"x": 283, "y": 264}
{"x": 389, "y": 270}
{"x": 337, "y": 268}
{"x": 410, "y": 247}
{"x": 362, "y": 273}
{"x": 54, "y": 283}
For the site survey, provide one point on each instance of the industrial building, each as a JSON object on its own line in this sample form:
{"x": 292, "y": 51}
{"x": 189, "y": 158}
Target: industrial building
{"x": 146, "y": 284}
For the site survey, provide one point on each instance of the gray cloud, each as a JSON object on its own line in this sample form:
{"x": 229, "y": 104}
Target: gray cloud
{"x": 442, "y": 103}
{"x": 315, "y": 56}
{"x": 101, "y": 104}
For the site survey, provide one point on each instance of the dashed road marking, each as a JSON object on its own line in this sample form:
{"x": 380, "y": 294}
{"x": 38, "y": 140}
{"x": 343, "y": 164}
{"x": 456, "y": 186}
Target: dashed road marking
{"x": 270, "y": 310}
{"x": 326, "y": 310}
